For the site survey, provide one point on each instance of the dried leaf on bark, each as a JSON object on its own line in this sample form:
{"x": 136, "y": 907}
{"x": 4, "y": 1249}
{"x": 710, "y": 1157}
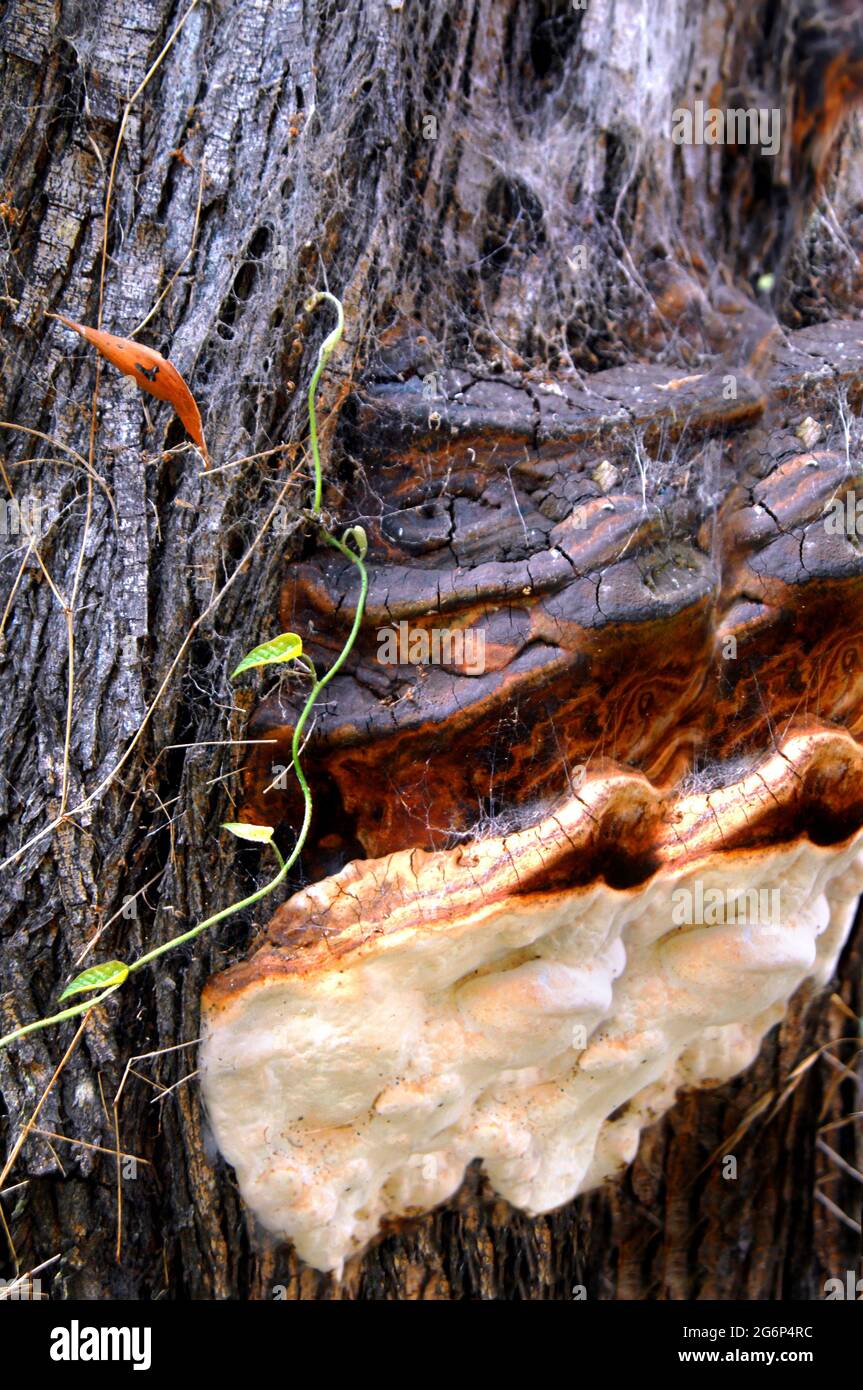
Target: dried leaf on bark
{"x": 153, "y": 373}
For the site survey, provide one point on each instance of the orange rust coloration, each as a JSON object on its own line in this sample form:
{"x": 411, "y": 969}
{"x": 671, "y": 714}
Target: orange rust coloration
{"x": 665, "y": 623}
{"x": 153, "y": 373}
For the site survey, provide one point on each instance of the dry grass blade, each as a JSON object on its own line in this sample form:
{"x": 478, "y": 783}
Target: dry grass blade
{"x": 838, "y": 1212}
{"x": 10, "y": 1291}
{"x": 9, "y": 1239}
{"x": 84, "y": 1144}
{"x": 22, "y": 1137}
{"x": 128, "y": 1071}
{"x": 748, "y": 1119}
{"x": 840, "y": 1124}
{"x": 847, "y": 1168}
{"x": 73, "y": 453}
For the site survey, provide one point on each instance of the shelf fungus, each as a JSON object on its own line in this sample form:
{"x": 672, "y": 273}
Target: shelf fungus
{"x": 586, "y": 861}
{"x": 531, "y": 1001}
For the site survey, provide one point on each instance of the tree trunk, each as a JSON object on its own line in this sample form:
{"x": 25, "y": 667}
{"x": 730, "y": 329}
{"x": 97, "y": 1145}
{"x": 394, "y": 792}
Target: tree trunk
{"x": 491, "y": 190}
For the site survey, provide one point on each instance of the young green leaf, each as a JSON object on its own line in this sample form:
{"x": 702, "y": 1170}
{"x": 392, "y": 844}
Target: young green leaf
{"x": 286, "y": 647}
{"x": 113, "y": 972}
{"x": 261, "y": 834}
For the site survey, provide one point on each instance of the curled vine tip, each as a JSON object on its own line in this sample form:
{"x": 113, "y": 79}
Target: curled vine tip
{"x": 356, "y": 537}
{"x": 324, "y": 297}
{"x": 319, "y": 297}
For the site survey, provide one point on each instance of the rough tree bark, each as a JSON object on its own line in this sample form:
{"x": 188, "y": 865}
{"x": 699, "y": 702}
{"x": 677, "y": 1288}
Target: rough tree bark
{"x": 442, "y": 168}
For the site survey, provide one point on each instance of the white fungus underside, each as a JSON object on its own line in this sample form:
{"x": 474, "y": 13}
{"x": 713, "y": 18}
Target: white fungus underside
{"x": 363, "y": 1092}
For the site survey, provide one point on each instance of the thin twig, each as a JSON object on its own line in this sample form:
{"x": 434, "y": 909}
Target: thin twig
{"x": 19, "y": 1143}
{"x": 7, "y": 1291}
{"x": 83, "y": 1144}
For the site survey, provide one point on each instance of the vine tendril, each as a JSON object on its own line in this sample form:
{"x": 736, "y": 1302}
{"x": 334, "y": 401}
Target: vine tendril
{"x": 353, "y": 545}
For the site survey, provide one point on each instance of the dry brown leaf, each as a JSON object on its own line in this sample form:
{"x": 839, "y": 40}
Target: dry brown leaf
{"x": 153, "y": 373}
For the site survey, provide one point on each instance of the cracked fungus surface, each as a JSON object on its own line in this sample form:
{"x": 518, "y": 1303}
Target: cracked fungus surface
{"x": 532, "y": 1000}
{"x": 664, "y": 613}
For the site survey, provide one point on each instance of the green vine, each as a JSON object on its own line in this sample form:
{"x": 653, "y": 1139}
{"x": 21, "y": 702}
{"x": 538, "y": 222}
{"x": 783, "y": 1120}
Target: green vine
{"x": 326, "y": 349}
{"x": 110, "y": 976}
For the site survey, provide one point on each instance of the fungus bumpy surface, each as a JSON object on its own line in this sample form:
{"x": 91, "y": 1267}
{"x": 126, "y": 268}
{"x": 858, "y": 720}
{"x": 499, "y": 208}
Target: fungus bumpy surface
{"x": 659, "y": 743}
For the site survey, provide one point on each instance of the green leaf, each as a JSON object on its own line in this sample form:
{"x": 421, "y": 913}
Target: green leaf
{"x": 286, "y": 647}
{"x": 261, "y": 834}
{"x": 113, "y": 972}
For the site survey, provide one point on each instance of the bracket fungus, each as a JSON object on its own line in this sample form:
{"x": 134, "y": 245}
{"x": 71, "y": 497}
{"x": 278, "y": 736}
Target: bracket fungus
{"x": 664, "y": 609}
{"x": 531, "y": 1000}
